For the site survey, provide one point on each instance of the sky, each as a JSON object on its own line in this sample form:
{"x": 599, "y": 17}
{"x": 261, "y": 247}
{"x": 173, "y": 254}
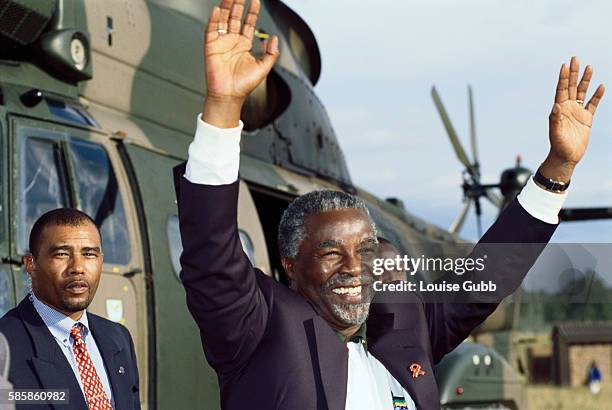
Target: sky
{"x": 380, "y": 60}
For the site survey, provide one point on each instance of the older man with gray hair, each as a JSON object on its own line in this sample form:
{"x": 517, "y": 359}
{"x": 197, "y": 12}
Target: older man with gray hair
{"x": 320, "y": 344}
{"x": 333, "y": 295}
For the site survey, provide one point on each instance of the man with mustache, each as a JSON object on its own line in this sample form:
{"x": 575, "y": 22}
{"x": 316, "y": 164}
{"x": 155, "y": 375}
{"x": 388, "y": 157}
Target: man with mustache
{"x": 55, "y": 343}
{"x": 322, "y": 344}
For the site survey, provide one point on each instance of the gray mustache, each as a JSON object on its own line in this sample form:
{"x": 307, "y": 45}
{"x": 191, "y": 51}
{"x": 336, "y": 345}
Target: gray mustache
{"x": 348, "y": 280}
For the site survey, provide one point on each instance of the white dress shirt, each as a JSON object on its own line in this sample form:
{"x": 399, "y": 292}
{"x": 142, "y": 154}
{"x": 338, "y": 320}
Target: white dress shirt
{"x": 214, "y": 159}
{"x": 370, "y": 386}
{"x": 60, "y": 325}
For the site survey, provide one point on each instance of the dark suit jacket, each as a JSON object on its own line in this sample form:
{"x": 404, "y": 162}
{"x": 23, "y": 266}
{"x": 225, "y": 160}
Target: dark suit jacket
{"x": 37, "y": 362}
{"x": 270, "y": 348}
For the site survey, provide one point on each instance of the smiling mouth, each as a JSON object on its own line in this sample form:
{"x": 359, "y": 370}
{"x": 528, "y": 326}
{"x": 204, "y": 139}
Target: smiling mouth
{"x": 351, "y": 294}
{"x": 348, "y": 290}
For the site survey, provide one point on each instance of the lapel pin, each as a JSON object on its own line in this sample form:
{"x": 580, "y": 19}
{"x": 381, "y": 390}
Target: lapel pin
{"x": 121, "y": 370}
{"x": 415, "y": 368}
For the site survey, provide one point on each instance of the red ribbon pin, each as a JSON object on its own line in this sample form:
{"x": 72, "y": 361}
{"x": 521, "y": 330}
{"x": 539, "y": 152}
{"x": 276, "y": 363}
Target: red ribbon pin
{"x": 415, "y": 368}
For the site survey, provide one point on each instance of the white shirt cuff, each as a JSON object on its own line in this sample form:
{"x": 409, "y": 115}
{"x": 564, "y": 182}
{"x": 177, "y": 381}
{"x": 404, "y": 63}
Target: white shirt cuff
{"x": 540, "y": 203}
{"x": 214, "y": 155}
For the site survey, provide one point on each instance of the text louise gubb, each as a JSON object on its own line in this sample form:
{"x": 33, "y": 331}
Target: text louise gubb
{"x": 404, "y": 286}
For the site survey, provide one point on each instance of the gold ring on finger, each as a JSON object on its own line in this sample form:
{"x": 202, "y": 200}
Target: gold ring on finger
{"x": 581, "y": 102}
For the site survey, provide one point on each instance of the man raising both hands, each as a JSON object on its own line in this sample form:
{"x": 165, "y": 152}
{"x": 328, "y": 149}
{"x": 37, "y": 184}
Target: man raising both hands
{"x": 320, "y": 344}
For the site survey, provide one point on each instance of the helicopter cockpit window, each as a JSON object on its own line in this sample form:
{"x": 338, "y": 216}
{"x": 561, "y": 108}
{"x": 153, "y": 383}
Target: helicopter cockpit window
{"x": 70, "y": 113}
{"x": 42, "y": 186}
{"x": 99, "y": 197}
{"x": 176, "y": 247}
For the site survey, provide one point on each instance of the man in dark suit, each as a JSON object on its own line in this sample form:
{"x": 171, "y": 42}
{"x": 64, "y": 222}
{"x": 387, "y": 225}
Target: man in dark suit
{"x": 322, "y": 344}
{"x": 55, "y": 343}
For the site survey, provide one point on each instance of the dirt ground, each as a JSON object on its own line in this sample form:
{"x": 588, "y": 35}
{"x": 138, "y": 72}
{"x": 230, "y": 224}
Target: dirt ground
{"x": 543, "y": 397}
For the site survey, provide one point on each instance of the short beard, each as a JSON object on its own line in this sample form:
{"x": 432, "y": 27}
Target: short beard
{"x": 69, "y": 306}
{"x": 351, "y": 313}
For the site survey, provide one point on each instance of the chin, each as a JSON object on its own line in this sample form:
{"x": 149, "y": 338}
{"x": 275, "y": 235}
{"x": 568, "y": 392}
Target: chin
{"x": 76, "y": 304}
{"x": 351, "y": 313}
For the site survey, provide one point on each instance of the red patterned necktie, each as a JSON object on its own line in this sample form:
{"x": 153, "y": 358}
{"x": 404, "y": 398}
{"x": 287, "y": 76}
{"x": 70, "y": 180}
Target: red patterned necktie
{"x": 94, "y": 391}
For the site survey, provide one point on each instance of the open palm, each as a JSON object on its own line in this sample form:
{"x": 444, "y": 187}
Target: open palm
{"x": 570, "y": 122}
{"x": 232, "y": 72}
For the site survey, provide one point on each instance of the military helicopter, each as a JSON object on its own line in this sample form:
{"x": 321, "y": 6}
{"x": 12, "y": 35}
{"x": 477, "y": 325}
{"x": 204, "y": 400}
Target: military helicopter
{"x": 98, "y": 102}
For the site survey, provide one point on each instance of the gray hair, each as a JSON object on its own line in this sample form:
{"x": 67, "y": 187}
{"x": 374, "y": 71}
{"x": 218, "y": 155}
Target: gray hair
{"x": 291, "y": 229}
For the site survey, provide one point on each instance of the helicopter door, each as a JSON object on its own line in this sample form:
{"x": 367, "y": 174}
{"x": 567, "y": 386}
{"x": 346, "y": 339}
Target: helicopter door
{"x": 195, "y": 383}
{"x": 7, "y": 292}
{"x": 177, "y": 341}
{"x": 59, "y": 166}
{"x": 178, "y": 344}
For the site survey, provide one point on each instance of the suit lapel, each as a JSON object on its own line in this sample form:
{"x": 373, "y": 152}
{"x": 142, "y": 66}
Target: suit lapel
{"x": 332, "y": 360}
{"x": 109, "y": 350}
{"x": 398, "y": 350}
{"x": 50, "y": 363}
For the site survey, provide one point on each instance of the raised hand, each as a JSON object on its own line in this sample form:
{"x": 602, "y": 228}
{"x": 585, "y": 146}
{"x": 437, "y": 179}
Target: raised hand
{"x": 232, "y": 71}
{"x": 570, "y": 121}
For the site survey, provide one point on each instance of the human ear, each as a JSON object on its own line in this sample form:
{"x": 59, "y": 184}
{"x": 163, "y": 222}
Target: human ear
{"x": 28, "y": 263}
{"x": 288, "y": 266}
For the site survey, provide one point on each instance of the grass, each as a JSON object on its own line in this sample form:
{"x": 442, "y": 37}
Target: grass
{"x": 546, "y": 397}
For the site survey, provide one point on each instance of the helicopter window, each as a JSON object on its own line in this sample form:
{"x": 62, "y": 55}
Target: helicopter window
{"x": 70, "y": 113}
{"x": 5, "y": 291}
{"x": 247, "y": 246}
{"x": 174, "y": 243}
{"x": 176, "y": 247}
{"x": 99, "y": 197}
{"x": 42, "y": 184}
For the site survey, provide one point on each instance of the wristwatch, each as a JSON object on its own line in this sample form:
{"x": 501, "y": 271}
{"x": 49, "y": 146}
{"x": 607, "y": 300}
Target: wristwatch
{"x": 550, "y": 184}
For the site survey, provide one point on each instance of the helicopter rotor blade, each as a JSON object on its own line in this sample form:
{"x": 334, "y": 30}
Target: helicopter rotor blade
{"x": 458, "y": 222}
{"x": 584, "y": 214}
{"x": 472, "y": 127}
{"x": 450, "y": 130}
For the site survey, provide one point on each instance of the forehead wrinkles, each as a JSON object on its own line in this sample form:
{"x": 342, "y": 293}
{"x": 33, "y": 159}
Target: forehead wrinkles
{"x": 71, "y": 236}
{"x": 335, "y": 228}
